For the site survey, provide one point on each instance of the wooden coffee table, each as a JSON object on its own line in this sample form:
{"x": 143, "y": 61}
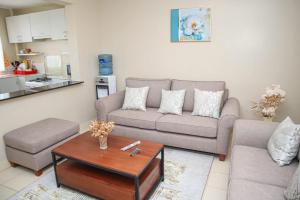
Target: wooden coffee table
{"x": 109, "y": 174}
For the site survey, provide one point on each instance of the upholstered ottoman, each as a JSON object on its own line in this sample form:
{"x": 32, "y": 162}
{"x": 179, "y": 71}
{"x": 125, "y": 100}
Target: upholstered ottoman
{"x": 30, "y": 146}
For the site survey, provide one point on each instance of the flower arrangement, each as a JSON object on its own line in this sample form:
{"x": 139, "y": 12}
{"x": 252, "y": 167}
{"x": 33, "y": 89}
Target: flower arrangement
{"x": 269, "y": 102}
{"x": 101, "y": 129}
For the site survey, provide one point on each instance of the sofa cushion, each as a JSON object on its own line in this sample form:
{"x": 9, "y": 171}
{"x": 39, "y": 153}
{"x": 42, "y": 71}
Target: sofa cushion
{"x": 188, "y": 124}
{"x": 293, "y": 190}
{"x": 207, "y": 103}
{"x": 191, "y": 85}
{"x": 283, "y": 145}
{"x": 256, "y": 164}
{"x": 155, "y": 88}
{"x": 249, "y": 190}
{"x": 40, "y": 135}
{"x": 135, "y": 98}
{"x": 172, "y": 102}
{"x": 135, "y": 118}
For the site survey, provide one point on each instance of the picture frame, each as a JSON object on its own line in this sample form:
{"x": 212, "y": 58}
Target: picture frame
{"x": 191, "y": 25}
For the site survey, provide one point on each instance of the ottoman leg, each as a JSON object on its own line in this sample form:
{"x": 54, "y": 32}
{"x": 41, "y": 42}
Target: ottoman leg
{"x": 222, "y": 157}
{"x": 38, "y": 172}
{"x": 12, "y": 164}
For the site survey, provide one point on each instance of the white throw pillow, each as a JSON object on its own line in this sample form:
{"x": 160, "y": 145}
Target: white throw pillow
{"x": 292, "y": 192}
{"x": 172, "y": 101}
{"x": 283, "y": 145}
{"x": 207, "y": 103}
{"x": 135, "y": 98}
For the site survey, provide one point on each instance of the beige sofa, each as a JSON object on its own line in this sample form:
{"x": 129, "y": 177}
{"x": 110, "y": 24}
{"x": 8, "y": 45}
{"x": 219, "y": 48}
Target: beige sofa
{"x": 254, "y": 175}
{"x": 186, "y": 131}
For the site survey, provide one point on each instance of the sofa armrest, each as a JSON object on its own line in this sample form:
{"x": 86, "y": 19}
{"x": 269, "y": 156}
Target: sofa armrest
{"x": 253, "y": 133}
{"x": 230, "y": 113}
{"x": 108, "y": 104}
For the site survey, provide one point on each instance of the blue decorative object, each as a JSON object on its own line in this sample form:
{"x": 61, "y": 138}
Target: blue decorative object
{"x": 105, "y": 64}
{"x": 192, "y": 24}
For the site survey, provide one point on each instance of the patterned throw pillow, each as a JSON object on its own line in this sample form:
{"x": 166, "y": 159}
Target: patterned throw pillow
{"x": 293, "y": 190}
{"x": 283, "y": 145}
{"x": 172, "y": 101}
{"x": 135, "y": 98}
{"x": 207, "y": 103}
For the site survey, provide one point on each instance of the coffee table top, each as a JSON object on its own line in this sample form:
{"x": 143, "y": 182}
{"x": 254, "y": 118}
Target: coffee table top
{"x": 85, "y": 148}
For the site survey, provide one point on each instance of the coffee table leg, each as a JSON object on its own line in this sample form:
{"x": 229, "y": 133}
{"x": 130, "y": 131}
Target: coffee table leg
{"x": 162, "y": 164}
{"x": 137, "y": 188}
{"x": 54, "y": 166}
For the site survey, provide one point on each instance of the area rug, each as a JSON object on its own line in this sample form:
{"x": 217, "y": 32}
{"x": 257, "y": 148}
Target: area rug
{"x": 186, "y": 173}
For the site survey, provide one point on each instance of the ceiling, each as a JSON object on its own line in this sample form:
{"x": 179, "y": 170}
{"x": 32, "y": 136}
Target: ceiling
{"x": 17, "y": 4}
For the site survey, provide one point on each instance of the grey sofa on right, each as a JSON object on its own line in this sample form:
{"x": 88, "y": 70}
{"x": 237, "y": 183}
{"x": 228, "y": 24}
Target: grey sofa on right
{"x": 254, "y": 175}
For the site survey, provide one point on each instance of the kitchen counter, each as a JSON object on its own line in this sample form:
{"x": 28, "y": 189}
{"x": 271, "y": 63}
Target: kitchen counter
{"x": 35, "y": 90}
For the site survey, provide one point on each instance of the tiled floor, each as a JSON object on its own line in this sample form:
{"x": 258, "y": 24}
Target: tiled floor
{"x": 14, "y": 179}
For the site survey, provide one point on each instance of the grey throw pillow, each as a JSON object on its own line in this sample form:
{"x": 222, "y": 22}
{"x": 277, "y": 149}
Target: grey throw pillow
{"x": 283, "y": 145}
{"x": 207, "y": 103}
{"x": 172, "y": 101}
{"x": 293, "y": 190}
{"x": 135, "y": 98}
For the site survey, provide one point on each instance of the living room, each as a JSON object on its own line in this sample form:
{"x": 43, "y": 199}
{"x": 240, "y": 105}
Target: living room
{"x": 251, "y": 45}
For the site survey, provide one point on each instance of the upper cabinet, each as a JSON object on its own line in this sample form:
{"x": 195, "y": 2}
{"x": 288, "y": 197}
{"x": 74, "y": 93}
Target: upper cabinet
{"x": 40, "y": 25}
{"x": 58, "y": 24}
{"x": 18, "y": 29}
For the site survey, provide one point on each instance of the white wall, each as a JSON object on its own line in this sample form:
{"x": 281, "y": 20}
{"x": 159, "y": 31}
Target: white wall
{"x": 254, "y": 44}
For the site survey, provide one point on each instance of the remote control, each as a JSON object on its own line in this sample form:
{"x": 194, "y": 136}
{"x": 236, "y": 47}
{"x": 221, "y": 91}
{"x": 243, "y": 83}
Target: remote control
{"x": 131, "y": 145}
{"x": 136, "y": 151}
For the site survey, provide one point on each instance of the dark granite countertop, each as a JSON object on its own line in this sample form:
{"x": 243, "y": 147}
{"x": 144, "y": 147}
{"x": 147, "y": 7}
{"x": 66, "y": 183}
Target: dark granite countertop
{"x": 20, "y": 93}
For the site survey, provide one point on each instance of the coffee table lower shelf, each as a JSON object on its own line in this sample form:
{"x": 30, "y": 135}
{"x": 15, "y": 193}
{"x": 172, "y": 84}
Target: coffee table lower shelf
{"x": 106, "y": 185}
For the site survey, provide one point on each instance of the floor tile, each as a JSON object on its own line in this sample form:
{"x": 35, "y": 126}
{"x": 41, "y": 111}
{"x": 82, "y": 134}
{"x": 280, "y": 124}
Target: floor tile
{"x": 220, "y": 166}
{"x": 20, "y": 181}
{"x": 10, "y": 173}
{"x": 4, "y": 165}
{"x": 211, "y": 193}
{"x": 218, "y": 180}
{"x": 6, "y": 192}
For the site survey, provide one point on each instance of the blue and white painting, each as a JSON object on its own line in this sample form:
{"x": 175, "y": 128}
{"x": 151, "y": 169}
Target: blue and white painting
{"x": 192, "y": 24}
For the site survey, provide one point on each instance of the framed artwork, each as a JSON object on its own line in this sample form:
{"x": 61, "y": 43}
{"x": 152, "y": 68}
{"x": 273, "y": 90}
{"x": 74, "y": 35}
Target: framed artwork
{"x": 191, "y": 25}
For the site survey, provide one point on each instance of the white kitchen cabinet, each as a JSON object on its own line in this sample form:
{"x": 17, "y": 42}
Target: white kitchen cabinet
{"x": 58, "y": 24}
{"x": 18, "y": 29}
{"x": 40, "y": 25}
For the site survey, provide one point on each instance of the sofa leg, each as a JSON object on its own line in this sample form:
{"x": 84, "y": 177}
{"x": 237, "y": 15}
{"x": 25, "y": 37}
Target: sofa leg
{"x": 38, "y": 172}
{"x": 12, "y": 164}
{"x": 222, "y": 157}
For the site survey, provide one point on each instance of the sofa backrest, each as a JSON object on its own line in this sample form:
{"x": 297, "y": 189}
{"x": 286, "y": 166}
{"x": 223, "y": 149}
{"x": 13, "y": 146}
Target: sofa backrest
{"x": 155, "y": 88}
{"x": 201, "y": 85}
